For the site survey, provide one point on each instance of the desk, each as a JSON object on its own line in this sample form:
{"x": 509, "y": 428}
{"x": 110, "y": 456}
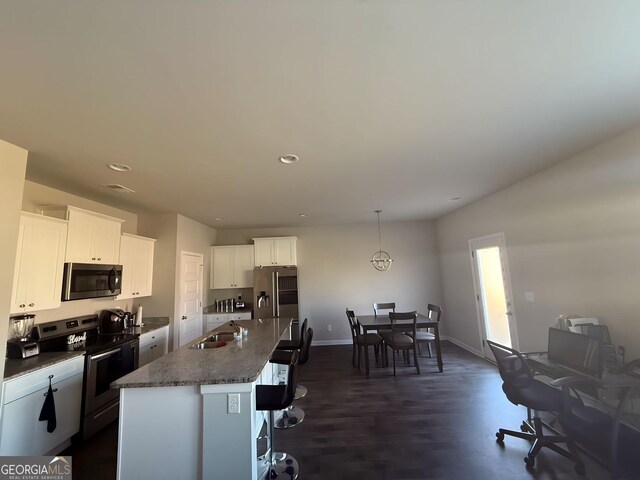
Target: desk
{"x": 371, "y": 322}
{"x": 623, "y": 383}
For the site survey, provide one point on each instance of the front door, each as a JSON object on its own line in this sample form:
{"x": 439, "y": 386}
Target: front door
{"x": 493, "y": 291}
{"x": 190, "y": 301}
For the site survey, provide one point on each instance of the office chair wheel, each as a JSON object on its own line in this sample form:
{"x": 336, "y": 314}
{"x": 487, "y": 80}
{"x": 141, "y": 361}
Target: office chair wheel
{"x": 500, "y": 437}
{"x": 580, "y": 470}
{"x": 530, "y": 461}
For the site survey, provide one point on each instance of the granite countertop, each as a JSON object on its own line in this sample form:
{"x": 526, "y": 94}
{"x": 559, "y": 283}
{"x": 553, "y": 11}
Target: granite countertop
{"x": 212, "y": 309}
{"x": 149, "y": 324}
{"x": 14, "y": 368}
{"x": 239, "y": 361}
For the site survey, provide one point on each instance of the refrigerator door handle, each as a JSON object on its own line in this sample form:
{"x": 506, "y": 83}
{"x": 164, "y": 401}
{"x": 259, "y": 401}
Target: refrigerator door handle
{"x": 277, "y": 302}
{"x": 273, "y": 294}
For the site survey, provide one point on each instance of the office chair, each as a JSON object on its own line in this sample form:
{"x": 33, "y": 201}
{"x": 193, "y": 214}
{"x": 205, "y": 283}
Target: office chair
{"x": 522, "y": 389}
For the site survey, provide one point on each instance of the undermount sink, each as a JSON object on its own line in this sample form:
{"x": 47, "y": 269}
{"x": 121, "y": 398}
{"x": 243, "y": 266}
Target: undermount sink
{"x": 213, "y": 341}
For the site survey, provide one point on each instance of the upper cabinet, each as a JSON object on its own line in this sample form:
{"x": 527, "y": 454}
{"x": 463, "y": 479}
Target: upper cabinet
{"x": 136, "y": 258}
{"x": 37, "y": 280}
{"x": 93, "y": 237}
{"x": 275, "y": 251}
{"x": 232, "y": 266}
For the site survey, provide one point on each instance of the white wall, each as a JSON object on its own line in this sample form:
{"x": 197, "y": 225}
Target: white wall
{"x": 36, "y": 195}
{"x": 13, "y": 164}
{"x": 573, "y": 239}
{"x": 163, "y": 227}
{"x": 174, "y": 233}
{"x": 193, "y": 237}
{"x": 335, "y": 273}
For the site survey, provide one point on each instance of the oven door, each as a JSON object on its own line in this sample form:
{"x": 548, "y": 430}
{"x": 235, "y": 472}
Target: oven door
{"x": 90, "y": 280}
{"x": 104, "y": 368}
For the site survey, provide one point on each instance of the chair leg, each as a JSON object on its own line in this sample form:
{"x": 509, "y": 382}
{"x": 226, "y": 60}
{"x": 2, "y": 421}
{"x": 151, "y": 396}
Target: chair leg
{"x": 415, "y": 358}
{"x": 353, "y": 355}
{"x": 429, "y": 347}
{"x": 419, "y": 347}
{"x": 394, "y": 363}
{"x": 366, "y": 359}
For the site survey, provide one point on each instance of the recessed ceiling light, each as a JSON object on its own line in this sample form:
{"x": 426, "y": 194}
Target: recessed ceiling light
{"x": 119, "y": 167}
{"x": 289, "y": 158}
{"x": 455, "y": 199}
{"x": 304, "y": 215}
{"x": 218, "y": 219}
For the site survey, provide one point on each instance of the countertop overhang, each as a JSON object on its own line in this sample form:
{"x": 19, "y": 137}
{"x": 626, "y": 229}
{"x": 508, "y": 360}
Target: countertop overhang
{"x": 240, "y": 361}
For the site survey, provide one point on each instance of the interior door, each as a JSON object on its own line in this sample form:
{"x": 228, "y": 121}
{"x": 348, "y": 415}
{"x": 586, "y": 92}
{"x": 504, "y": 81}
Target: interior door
{"x": 493, "y": 291}
{"x": 190, "y": 302}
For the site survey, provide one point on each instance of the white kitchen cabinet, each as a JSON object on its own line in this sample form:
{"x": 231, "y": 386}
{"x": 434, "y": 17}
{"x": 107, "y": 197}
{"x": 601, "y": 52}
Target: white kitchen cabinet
{"x": 153, "y": 345}
{"x": 21, "y": 431}
{"x": 215, "y": 320}
{"x": 37, "y": 280}
{"x": 232, "y": 266}
{"x": 275, "y": 251}
{"x": 93, "y": 237}
{"x": 136, "y": 258}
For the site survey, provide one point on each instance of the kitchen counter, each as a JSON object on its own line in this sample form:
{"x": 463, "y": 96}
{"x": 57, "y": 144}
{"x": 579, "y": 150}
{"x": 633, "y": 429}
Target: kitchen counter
{"x": 149, "y": 324}
{"x": 205, "y": 402}
{"x": 14, "y": 368}
{"x": 212, "y": 309}
{"x": 239, "y": 361}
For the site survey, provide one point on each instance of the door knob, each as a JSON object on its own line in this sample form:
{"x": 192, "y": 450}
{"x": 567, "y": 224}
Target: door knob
{"x": 184, "y": 317}
{"x": 508, "y": 313}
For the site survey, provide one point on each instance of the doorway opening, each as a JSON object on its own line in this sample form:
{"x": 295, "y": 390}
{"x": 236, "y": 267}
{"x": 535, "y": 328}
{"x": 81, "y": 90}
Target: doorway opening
{"x": 493, "y": 291}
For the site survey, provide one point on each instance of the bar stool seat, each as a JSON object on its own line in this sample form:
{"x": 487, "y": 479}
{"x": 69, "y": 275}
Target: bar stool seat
{"x": 294, "y": 415}
{"x": 272, "y": 398}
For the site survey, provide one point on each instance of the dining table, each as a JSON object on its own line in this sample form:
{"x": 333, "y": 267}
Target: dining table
{"x": 382, "y": 322}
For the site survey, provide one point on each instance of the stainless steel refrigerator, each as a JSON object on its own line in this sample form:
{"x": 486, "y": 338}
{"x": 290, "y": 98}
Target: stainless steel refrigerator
{"x": 275, "y": 292}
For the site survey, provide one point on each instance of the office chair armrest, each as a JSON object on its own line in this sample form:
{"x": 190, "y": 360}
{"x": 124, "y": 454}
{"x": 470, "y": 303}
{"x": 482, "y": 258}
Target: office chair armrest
{"x": 570, "y": 381}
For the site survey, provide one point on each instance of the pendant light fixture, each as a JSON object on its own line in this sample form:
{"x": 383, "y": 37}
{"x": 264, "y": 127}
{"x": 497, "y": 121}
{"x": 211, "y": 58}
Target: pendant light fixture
{"x": 381, "y": 260}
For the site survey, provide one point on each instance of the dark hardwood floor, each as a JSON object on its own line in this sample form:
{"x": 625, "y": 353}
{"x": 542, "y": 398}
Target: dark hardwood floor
{"x": 428, "y": 426}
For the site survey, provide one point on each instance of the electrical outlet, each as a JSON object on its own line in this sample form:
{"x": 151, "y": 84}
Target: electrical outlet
{"x": 233, "y": 403}
{"x": 328, "y": 327}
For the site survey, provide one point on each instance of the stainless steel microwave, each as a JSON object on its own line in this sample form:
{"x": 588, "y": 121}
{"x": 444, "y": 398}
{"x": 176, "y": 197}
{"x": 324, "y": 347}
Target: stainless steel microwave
{"x": 90, "y": 280}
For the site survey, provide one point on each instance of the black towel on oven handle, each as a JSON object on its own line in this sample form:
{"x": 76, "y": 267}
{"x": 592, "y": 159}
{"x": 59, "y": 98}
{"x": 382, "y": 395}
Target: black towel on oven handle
{"x": 48, "y": 411}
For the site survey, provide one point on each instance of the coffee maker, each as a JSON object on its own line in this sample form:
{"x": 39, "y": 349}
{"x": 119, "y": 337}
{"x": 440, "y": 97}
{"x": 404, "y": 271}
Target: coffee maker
{"x": 113, "y": 321}
{"x": 22, "y": 344}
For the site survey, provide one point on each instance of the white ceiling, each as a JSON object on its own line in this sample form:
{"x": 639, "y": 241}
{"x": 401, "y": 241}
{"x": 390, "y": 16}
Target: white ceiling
{"x": 395, "y": 104}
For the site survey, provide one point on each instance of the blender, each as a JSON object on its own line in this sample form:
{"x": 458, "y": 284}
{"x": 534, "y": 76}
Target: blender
{"x": 22, "y": 345}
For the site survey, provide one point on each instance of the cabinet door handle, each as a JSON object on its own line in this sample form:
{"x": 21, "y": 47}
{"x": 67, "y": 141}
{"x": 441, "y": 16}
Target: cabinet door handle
{"x": 22, "y": 305}
{"x": 32, "y": 304}
{"x": 99, "y": 259}
{"x": 93, "y": 258}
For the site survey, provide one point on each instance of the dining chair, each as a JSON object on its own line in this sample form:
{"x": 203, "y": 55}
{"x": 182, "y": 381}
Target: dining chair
{"x": 434, "y": 312}
{"x": 362, "y": 340}
{"x": 397, "y": 339}
{"x": 377, "y": 307}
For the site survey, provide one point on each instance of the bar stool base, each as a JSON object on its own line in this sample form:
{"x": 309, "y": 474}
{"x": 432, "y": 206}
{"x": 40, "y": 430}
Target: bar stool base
{"x": 290, "y": 417}
{"x": 301, "y": 391}
{"x": 286, "y": 467}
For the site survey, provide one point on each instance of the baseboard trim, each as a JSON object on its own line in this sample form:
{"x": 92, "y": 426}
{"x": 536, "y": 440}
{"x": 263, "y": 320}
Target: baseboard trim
{"x": 463, "y": 345}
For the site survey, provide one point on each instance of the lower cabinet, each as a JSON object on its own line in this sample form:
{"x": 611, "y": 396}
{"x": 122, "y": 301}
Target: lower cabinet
{"x": 153, "y": 345}
{"x": 21, "y": 432}
{"x": 215, "y": 320}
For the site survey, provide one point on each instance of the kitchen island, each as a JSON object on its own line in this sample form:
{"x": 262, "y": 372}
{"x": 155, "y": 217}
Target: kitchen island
{"x": 192, "y": 413}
